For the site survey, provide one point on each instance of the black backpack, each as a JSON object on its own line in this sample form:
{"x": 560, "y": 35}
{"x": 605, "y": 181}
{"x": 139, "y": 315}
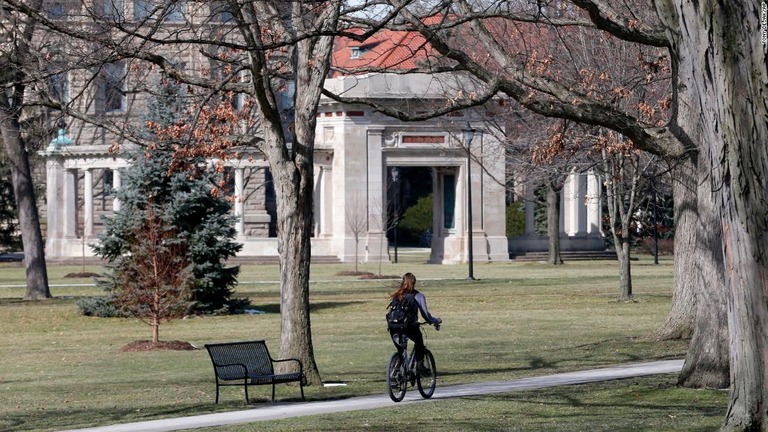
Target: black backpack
{"x": 401, "y": 313}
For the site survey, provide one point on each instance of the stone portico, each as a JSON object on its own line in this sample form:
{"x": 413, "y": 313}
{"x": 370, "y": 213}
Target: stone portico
{"x": 355, "y": 149}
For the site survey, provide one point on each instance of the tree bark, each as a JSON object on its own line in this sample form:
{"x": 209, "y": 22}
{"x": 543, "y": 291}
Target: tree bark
{"x": 294, "y": 205}
{"x": 723, "y": 65}
{"x": 553, "y": 223}
{"x": 680, "y": 319}
{"x": 706, "y": 363}
{"x": 16, "y": 62}
{"x": 293, "y": 174}
{"x": 24, "y": 193}
{"x": 625, "y": 267}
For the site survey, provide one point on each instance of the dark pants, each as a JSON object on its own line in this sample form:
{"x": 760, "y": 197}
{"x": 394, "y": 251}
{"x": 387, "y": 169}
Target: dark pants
{"x": 413, "y": 333}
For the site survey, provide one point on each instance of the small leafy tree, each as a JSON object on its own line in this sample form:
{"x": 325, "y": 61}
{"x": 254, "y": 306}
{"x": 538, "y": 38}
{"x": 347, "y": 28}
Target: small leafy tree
{"x": 155, "y": 279}
{"x": 417, "y": 219}
{"x": 515, "y": 213}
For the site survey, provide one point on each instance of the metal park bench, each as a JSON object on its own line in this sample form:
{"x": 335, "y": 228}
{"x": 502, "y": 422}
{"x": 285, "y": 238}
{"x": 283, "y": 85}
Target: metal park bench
{"x": 249, "y": 363}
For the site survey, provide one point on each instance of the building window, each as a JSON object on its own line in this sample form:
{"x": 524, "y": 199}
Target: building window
{"x": 175, "y": 11}
{"x": 109, "y": 182}
{"x": 113, "y": 83}
{"x": 55, "y": 10}
{"x": 142, "y": 9}
{"x": 58, "y": 87}
{"x": 221, "y": 12}
{"x": 112, "y": 9}
{"x": 172, "y": 10}
{"x": 238, "y": 101}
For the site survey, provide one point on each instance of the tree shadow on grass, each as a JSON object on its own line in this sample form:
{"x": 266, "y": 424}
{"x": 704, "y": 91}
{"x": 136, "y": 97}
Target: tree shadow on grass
{"x": 70, "y": 418}
{"x": 274, "y": 308}
{"x": 601, "y": 354}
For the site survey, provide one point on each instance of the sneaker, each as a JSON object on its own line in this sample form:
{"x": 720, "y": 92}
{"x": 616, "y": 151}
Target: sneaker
{"x": 422, "y": 370}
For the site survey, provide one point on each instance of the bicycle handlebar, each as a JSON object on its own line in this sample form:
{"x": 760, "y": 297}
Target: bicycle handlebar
{"x": 437, "y": 325}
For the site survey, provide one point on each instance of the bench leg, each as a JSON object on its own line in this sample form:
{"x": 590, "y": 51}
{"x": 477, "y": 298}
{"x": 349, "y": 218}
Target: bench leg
{"x": 217, "y": 392}
{"x": 301, "y": 386}
{"x": 247, "y": 400}
{"x": 273, "y": 392}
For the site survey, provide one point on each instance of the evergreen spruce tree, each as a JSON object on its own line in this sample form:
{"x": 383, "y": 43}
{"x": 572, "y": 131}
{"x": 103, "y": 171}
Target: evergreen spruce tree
{"x": 9, "y": 237}
{"x": 183, "y": 200}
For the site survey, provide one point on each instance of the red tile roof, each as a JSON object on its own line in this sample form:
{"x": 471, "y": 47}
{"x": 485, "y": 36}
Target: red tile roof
{"x": 387, "y": 49}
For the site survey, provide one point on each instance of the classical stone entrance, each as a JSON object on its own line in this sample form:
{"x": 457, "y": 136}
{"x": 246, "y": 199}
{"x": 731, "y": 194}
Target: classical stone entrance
{"x": 354, "y": 148}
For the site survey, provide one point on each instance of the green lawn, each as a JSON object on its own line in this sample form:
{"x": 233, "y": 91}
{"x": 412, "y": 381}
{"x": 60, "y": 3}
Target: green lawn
{"x": 62, "y": 370}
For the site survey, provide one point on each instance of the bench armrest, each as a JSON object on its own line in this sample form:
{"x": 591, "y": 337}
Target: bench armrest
{"x": 301, "y": 366}
{"x": 217, "y": 366}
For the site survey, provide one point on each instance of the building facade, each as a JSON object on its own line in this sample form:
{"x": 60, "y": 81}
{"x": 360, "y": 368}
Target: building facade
{"x": 356, "y": 149}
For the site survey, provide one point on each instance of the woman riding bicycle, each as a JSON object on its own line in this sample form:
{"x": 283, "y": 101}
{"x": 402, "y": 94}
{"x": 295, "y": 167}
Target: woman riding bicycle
{"x": 407, "y": 294}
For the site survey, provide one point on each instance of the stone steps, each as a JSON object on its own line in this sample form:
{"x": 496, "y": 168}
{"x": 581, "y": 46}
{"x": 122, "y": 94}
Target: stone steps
{"x": 564, "y": 255}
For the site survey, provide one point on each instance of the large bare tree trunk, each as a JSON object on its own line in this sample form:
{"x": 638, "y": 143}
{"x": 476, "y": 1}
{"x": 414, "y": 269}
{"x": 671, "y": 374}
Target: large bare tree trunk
{"x": 706, "y": 363}
{"x": 553, "y": 223}
{"x": 24, "y": 191}
{"x": 700, "y": 285}
{"x": 723, "y": 66}
{"x": 294, "y": 190}
{"x": 15, "y": 58}
{"x": 294, "y": 202}
{"x": 625, "y": 268}
{"x": 679, "y": 321}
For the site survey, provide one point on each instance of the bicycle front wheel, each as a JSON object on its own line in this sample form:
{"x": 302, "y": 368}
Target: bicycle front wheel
{"x": 427, "y": 376}
{"x": 397, "y": 381}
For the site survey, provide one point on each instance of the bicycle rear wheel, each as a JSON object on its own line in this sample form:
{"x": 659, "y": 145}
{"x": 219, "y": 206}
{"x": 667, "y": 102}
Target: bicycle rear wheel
{"x": 397, "y": 382}
{"x": 427, "y": 376}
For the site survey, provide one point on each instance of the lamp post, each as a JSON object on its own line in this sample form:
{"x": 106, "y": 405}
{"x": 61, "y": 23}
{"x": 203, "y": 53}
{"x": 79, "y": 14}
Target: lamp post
{"x": 655, "y": 224}
{"x": 396, "y": 184}
{"x": 467, "y": 134}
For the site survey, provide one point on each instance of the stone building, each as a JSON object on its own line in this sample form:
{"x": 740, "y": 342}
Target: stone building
{"x": 355, "y": 150}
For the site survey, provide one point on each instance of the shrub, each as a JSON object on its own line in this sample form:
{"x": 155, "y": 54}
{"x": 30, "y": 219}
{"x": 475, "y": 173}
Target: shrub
{"x": 417, "y": 219}
{"x": 102, "y": 307}
{"x": 515, "y": 219}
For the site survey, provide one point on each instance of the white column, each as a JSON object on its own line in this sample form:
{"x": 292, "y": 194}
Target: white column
{"x": 116, "y": 185}
{"x": 594, "y": 209}
{"x": 573, "y": 204}
{"x": 55, "y": 174}
{"x": 239, "y": 202}
{"x": 377, "y": 246}
{"x": 70, "y": 203}
{"x": 323, "y": 210}
{"x": 377, "y": 204}
{"x": 88, "y": 204}
{"x": 327, "y": 197}
{"x": 317, "y": 205}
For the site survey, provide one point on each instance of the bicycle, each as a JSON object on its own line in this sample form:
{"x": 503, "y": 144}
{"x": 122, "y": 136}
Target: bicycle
{"x": 402, "y": 370}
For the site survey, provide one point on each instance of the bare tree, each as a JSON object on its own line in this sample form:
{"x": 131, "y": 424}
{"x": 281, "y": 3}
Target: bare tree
{"x": 356, "y": 217}
{"x": 18, "y": 58}
{"x": 275, "y": 54}
{"x": 622, "y": 169}
{"x": 156, "y": 277}
{"x": 712, "y": 74}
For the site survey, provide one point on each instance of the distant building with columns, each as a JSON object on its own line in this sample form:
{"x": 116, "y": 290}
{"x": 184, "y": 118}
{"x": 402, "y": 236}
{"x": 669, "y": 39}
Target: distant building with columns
{"x": 356, "y": 148}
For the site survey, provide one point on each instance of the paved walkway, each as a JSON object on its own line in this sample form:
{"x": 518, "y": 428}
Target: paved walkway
{"x": 296, "y": 409}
